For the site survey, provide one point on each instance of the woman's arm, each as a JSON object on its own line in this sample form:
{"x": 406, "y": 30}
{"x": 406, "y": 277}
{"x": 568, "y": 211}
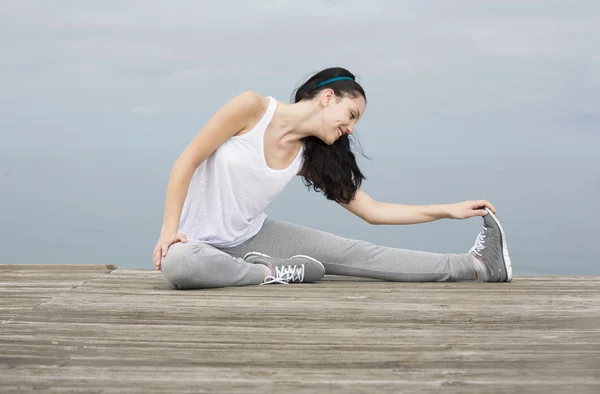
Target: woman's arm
{"x": 375, "y": 212}
{"x": 235, "y": 116}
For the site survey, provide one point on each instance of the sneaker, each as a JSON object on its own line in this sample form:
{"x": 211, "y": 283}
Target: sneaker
{"x": 490, "y": 248}
{"x": 295, "y": 269}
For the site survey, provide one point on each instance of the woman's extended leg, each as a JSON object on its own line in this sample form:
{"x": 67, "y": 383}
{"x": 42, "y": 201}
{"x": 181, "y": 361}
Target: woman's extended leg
{"x": 197, "y": 265}
{"x": 349, "y": 257}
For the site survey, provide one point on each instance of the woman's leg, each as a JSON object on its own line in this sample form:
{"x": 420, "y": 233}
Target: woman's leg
{"x": 197, "y": 265}
{"x": 343, "y": 256}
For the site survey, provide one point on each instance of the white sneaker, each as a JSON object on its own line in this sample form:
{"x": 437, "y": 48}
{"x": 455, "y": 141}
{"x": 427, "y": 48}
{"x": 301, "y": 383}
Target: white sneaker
{"x": 295, "y": 269}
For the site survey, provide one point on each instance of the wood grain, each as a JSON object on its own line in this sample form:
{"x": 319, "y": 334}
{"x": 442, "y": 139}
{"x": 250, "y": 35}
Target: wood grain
{"x": 103, "y": 329}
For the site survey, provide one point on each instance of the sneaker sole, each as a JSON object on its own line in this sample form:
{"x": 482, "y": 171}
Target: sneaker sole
{"x": 507, "y": 263}
{"x": 256, "y": 254}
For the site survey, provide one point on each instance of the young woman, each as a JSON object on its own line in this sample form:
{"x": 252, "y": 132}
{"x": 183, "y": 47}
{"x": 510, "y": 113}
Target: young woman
{"x": 215, "y": 232}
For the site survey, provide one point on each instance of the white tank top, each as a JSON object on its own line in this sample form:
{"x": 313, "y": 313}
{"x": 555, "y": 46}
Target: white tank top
{"x": 230, "y": 190}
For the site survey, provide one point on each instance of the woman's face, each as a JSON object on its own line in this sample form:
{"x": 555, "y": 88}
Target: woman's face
{"x": 339, "y": 115}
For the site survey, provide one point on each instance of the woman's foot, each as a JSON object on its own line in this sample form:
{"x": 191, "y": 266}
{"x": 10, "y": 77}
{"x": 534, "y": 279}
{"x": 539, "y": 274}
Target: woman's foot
{"x": 490, "y": 250}
{"x": 295, "y": 269}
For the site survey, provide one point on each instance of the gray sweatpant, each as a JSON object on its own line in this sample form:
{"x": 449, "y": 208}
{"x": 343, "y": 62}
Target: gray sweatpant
{"x": 195, "y": 265}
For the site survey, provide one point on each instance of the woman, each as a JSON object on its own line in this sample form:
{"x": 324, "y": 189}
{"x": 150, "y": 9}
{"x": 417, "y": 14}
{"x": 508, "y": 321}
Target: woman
{"x": 215, "y": 232}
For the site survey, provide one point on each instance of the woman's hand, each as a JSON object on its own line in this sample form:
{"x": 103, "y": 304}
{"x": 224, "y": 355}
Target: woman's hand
{"x": 467, "y": 209}
{"x": 165, "y": 240}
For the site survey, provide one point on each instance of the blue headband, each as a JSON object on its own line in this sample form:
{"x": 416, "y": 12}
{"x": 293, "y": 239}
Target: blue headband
{"x": 333, "y": 80}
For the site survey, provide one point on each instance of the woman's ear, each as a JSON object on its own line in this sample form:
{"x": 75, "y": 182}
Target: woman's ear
{"x": 326, "y": 97}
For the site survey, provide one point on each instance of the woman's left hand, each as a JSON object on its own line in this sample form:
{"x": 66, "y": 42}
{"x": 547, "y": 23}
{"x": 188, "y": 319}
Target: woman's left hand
{"x": 468, "y": 209}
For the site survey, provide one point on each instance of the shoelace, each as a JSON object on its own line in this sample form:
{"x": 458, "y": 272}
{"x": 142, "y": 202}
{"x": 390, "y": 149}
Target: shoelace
{"x": 286, "y": 274}
{"x": 479, "y": 242}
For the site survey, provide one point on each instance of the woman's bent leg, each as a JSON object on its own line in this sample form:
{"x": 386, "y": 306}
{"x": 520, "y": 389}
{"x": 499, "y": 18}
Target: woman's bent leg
{"x": 349, "y": 257}
{"x": 197, "y": 265}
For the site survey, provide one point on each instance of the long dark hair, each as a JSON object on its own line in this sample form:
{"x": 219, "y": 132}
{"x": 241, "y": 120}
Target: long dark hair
{"x": 331, "y": 169}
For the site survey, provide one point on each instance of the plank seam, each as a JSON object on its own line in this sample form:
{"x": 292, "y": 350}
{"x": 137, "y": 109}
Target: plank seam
{"x": 71, "y": 289}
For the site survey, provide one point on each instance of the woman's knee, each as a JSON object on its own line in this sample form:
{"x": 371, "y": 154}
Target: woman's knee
{"x": 192, "y": 265}
{"x": 175, "y": 265}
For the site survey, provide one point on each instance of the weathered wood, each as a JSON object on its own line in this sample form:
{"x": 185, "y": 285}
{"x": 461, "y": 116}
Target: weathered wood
{"x": 118, "y": 330}
{"x": 57, "y": 267}
{"x": 27, "y": 286}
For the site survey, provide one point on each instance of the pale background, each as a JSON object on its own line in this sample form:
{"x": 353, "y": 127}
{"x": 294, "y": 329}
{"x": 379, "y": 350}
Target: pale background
{"x": 467, "y": 99}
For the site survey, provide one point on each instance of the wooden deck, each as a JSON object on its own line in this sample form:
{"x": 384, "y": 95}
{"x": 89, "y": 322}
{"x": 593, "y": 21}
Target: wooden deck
{"x": 101, "y": 329}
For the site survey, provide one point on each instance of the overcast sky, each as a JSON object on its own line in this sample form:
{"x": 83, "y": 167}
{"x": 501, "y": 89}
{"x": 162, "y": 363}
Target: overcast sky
{"x": 114, "y": 90}
{"x": 442, "y": 77}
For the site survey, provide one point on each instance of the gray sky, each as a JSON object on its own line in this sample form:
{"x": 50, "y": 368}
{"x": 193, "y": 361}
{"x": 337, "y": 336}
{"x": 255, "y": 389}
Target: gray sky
{"x": 442, "y": 77}
{"x": 83, "y": 80}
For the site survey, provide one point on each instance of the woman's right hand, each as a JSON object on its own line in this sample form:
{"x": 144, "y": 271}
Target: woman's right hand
{"x": 165, "y": 240}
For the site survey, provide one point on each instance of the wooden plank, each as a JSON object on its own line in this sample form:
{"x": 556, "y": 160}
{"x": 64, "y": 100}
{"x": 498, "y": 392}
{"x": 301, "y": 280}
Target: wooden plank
{"x": 127, "y": 331}
{"x": 57, "y": 267}
{"x": 26, "y": 286}
{"x": 134, "y": 379}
